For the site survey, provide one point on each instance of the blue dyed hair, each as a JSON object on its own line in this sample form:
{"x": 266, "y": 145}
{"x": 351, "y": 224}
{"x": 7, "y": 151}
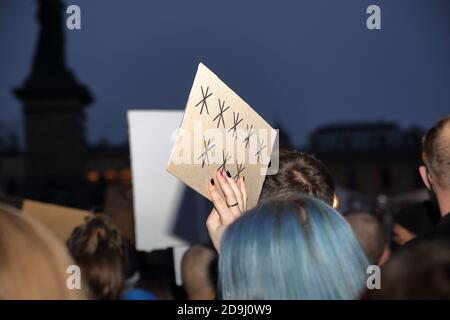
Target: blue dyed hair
{"x": 291, "y": 247}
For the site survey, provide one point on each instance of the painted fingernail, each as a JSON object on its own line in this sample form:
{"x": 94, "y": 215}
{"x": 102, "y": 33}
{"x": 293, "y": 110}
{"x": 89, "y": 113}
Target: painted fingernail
{"x": 228, "y": 174}
{"x": 243, "y": 178}
{"x": 212, "y": 181}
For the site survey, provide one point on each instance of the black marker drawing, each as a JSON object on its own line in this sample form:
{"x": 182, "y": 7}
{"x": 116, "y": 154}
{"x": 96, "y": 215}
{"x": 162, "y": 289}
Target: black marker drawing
{"x": 239, "y": 168}
{"x": 249, "y": 135}
{"x": 261, "y": 147}
{"x": 220, "y": 114}
{"x": 205, "y": 155}
{"x": 225, "y": 159}
{"x": 236, "y": 122}
{"x": 203, "y": 101}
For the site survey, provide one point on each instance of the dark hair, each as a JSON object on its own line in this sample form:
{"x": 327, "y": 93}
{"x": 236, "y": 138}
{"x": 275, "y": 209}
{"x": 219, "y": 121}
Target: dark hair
{"x": 99, "y": 250}
{"x": 421, "y": 271}
{"x": 300, "y": 172}
{"x": 436, "y": 151}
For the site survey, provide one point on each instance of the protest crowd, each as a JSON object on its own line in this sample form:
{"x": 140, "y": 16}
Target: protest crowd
{"x": 295, "y": 244}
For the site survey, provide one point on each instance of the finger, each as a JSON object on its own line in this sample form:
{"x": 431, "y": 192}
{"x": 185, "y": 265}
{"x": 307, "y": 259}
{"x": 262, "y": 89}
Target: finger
{"x": 230, "y": 196}
{"x": 237, "y": 191}
{"x": 243, "y": 191}
{"x": 225, "y": 214}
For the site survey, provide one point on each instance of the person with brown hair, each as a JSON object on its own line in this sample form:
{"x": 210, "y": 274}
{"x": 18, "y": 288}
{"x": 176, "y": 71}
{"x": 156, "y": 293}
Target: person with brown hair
{"x": 435, "y": 173}
{"x": 199, "y": 272}
{"x": 301, "y": 172}
{"x": 34, "y": 262}
{"x": 98, "y": 248}
{"x": 370, "y": 233}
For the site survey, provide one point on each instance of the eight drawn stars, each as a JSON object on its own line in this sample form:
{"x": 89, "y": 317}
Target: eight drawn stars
{"x": 208, "y": 146}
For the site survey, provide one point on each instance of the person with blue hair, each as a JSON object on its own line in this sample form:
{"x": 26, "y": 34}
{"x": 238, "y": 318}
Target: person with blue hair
{"x": 290, "y": 246}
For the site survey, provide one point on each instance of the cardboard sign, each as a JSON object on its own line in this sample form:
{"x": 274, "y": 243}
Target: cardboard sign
{"x": 220, "y": 131}
{"x": 60, "y": 220}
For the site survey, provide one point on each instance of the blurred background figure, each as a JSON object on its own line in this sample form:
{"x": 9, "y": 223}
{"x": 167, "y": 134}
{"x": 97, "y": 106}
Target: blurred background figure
{"x": 370, "y": 233}
{"x": 199, "y": 272}
{"x": 420, "y": 273}
{"x": 415, "y": 220}
{"x": 33, "y": 262}
{"x": 99, "y": 250}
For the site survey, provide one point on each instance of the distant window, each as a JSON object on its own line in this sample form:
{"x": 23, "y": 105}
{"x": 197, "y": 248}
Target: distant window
{"x": 386, "y": 179}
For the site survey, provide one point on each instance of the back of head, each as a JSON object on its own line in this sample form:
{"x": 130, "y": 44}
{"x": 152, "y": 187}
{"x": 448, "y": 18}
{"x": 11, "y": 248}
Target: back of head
{"x": 98, "y": 248}
{"x": 436, "y": 151}
{"x": 291, "y": 247}
{"x": 421, "y": 272}
{"x": 300, "y": 172}
{"x": 370, "y": 234}
{"x": 33, "y": 262}
{"x": 198, "y": 271}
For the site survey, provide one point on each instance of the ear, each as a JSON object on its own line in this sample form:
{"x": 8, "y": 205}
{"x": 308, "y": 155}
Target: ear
{"x": 335, "y": 201}
{"x": 424, "y": 175}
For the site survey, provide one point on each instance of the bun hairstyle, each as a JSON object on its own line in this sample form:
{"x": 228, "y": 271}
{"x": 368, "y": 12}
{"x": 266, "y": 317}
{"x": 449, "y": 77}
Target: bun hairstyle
{"x": 99, "y": 249}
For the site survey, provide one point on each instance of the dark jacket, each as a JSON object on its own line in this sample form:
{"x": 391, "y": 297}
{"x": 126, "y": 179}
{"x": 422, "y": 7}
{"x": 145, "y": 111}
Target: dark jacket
{"x": 440, "y": 232}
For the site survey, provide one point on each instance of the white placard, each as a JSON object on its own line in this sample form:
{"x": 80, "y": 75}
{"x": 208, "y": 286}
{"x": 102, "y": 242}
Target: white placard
{"x": 166, "y": 213}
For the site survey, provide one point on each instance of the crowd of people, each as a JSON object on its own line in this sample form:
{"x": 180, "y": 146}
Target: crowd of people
{"x": 295, "y": 244}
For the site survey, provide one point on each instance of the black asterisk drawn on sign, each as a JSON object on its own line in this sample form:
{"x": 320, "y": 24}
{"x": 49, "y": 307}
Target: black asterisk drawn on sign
{"x": 236, "y": 122}
{"x": 261, "y": 147}
{"x": 205, "y": 155}
{"x": 239, "y": 169}
{"x": 203, "y": 101}
{"x": 220, "y": 114}
{"x": 225, "y": 159}
{"x": 249, "y": 135}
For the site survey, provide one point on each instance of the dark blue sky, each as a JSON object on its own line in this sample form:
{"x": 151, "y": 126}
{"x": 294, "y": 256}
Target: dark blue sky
{"x": 300, "y": 63}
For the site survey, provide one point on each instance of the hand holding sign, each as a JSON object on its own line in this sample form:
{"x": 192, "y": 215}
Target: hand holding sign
{"x": 227, "y": 208}
{"x": 221, "y": 132}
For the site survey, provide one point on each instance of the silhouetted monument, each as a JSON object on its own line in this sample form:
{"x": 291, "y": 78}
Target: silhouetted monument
{"x": 53, "y": 105}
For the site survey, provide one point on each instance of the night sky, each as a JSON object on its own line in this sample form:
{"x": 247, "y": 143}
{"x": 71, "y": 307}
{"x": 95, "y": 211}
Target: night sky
{"x": 299, "y": 63}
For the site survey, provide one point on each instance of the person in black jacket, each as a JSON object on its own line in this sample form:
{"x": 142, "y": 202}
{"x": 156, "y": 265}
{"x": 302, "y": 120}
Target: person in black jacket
{"x": 435, "y": 173}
